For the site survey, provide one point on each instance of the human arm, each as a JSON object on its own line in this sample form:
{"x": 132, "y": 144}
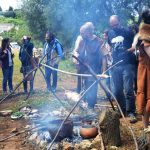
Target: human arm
{"x": 76, "y": 48}
{"x": 3, "y": 54}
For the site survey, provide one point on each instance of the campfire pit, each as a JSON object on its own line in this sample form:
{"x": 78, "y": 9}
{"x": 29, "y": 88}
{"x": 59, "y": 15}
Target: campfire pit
{"x": 52, "y": 127}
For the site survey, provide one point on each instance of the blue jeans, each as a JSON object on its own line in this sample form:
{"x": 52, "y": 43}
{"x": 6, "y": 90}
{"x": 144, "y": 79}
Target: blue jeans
{"x": 7, "y": 77}
{"x": 91, "y": 95}
{"x": 123, "y": 80}
{"x": 48, "y": 73}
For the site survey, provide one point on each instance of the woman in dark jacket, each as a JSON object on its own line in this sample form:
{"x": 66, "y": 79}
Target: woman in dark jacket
{"x": 6, "y": 57}
{"x": 25, "y": 56}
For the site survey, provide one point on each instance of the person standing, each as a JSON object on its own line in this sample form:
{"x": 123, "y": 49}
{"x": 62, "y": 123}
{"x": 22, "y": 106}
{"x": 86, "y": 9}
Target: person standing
{"x": 108, "y": 56}
{"x": 25, "y": 56}
{"x": 120, "y": 40}
{"x": 6, "y": 57}
{"x": 143, "y": 81}
{"x": 88, "y": 51}
{"x": 78, "y": 65}
{"x": 54, "y": 53}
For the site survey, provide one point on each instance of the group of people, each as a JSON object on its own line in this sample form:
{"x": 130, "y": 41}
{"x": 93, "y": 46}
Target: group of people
{"x": 120, "y": 48}
{"x": 52, "y": 52}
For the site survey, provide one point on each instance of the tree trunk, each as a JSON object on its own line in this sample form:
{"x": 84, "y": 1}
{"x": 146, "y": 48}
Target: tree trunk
{"x": 109, "y": 126}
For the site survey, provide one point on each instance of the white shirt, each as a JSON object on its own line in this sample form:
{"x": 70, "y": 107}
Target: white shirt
{"x": 9, "y": 58}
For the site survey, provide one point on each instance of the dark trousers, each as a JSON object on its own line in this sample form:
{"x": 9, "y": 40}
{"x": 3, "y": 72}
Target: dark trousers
{"x": 26, "y": 70}
{"x": 25, "y": 85}
{"x": 91, "y": 96}
{"x": 48, "y": 73}
{"x": 7, "y": 77}
{"x": 123, "y": 81}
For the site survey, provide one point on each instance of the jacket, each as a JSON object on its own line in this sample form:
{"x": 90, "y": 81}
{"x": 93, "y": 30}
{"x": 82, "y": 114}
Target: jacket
{"x": 5, "y": 58}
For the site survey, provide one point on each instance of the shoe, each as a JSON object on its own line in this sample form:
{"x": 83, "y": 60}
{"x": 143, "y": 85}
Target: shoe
{"x": 48, "y": 91}
{"x": 5, "y": 93}
{"x": 53, "y": 89}
{"x": 132, "y": 118}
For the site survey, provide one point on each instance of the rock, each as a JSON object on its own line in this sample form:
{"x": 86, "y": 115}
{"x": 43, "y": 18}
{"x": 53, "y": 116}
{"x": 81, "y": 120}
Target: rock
{"x": 33, "y": 136}
{"x": 85, "y": 145}
{"x": 76, "y": 147}
{"x": 42, "y": 144}
{"x": 113, "y": 147}
{"x": 96, "y": 143}
{"x": 14, "y": 130}
{"x": 38, "y": 140}
{"x": 67, "y": 146}
{"x": 23, "y": 143}
{"x": 27, "y": 126}
{"x": 5, "y": 113}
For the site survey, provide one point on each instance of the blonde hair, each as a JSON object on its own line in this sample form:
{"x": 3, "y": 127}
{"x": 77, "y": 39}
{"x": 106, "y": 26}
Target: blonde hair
{"x": 87, "y": 27}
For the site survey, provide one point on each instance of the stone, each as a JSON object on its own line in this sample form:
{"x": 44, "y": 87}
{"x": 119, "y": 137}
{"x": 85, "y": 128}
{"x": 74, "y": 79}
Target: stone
{"x": 67, "y": 146}
{"x": 5, "y": 113}
{"x": 33, "y": 136}
{"x": 14, "y": 130}
{"x": 85, "y": 145}
{"x": 96, "y": 143}
{"x": 42, "y": 144}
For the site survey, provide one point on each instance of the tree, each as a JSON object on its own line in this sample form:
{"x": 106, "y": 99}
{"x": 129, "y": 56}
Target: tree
{"x": 64, "y": 17}
{"x": 34, "y": 17}
{"x": 10, "y": 8}
{"x": 1, "y": 8}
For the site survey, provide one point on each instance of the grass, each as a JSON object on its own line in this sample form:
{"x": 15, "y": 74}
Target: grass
{"x": 15, "y": 21}
{"x": 37, "y": 100}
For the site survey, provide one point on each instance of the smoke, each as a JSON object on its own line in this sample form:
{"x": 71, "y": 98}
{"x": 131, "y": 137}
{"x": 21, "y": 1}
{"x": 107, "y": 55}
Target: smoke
{"x": 64, "y": 18}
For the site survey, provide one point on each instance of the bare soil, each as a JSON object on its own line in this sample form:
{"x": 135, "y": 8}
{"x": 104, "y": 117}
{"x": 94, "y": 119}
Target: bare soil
{"x": 64, "y": 82}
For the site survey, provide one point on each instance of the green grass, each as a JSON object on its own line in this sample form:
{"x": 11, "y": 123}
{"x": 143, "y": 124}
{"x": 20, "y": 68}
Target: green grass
{"x": 17, "y": 76}
{"x": 15, "y": 21}
{"x": 67, "y": 65}
{"x": 39, "y": 99}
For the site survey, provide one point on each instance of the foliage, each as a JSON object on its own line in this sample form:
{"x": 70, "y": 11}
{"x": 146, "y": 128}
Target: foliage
{"x": 33, "y": 12}
{"x": 9, "y": 14}
{"x": 19, "y": 30}
{"x": 65, "y": 17}
{"x": 10, "y": 8}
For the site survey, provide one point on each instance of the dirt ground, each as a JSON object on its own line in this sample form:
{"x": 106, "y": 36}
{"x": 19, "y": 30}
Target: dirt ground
{"x": 19, "y": 142}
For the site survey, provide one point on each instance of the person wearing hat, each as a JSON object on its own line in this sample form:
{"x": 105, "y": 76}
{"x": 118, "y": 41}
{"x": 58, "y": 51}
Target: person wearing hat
{"x": 25, "y": 56}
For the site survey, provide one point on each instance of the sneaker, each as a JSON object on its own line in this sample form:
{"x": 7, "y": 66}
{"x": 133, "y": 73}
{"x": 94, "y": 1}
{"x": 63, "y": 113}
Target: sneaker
{"x": 132, "y": 118}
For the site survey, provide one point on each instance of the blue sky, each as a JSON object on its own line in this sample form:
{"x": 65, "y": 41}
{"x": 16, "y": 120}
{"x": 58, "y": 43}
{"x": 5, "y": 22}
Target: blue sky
{"x": 6, "y": 3}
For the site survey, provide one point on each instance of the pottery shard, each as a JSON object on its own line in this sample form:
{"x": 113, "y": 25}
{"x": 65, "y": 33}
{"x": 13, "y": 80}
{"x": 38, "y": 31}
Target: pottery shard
{"x": 85, "y": 145}
{"x": 5, "y": 113}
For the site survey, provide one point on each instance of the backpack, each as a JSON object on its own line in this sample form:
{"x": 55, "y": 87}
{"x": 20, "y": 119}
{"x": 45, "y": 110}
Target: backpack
{"x": 23, "y": 54}
{"x": 58, "y": 42}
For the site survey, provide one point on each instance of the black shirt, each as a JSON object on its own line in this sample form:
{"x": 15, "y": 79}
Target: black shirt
{"x": 120, "y": 39}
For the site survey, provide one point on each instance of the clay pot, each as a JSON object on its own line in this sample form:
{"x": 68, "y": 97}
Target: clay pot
{"x": 88, "y": 132}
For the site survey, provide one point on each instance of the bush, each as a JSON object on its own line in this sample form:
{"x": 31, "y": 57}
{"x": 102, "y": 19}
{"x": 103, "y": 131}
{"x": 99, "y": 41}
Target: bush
{"x": 10, "y": 14}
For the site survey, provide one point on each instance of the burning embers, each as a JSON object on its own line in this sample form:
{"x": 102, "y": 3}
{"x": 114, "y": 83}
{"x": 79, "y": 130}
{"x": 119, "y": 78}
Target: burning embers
{"x": 49, "y": 123}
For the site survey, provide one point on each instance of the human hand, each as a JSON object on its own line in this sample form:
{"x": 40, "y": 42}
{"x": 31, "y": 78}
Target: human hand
{"x": 5, "y": 51}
